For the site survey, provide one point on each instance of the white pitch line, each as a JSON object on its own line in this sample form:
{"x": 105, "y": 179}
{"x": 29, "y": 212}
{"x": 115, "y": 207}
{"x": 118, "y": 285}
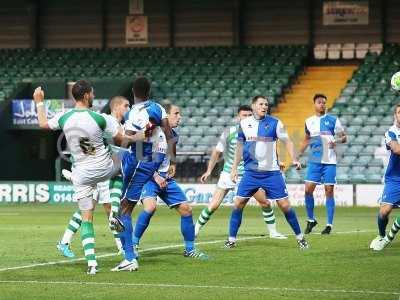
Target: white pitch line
{"x": 192, "y": 286}
{"x": 156, "y": 249}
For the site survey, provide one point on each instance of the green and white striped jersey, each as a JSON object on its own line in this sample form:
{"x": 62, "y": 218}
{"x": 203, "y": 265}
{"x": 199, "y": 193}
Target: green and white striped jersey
{"x": 84, "y": 131}
{"x": 227, "y": 145}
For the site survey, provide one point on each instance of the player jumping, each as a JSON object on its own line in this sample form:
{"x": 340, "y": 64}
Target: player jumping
{"x": 92, "y": 162}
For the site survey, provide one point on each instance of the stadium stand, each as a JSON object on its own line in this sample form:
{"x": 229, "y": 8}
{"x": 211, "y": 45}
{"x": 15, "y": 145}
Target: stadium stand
{"x": 207, "y": 82}
{"x": 365, "y": 108}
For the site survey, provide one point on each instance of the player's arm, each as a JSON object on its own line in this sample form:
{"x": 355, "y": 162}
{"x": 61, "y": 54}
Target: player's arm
{"x": 236, "y": 160}
{"x": 125, "y": 139}
{"x": 306, "y": 141}
{"x": 38, "y": 97}
{"x": 215, "y": 155}
{"x": 341, "y": 134}
{"x": 238, "y": 153}
{"x": 392, "y": 143}
{"x": 284, "y": 137}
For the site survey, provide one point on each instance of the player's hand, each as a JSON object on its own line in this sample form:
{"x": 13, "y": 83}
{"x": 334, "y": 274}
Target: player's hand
{"x": 161, "y": 181}
{"x": 38, "y": 95}
{"x": 148, "y": 131}
{"x": 331, "y": 144}
{"x": 172, "y": 171}
{"x": 204, "y": 177}
{"x": 297, "y": 165}
{"x": 234, "y": 175}
{"x": 282, "y": 166}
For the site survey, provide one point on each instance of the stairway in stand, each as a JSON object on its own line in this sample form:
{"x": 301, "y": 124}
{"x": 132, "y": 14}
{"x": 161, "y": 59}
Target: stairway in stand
{"x": 297, "y": 104}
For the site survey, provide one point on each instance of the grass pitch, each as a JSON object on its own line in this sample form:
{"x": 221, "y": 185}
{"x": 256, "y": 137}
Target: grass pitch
{"x": 339, "y": 266}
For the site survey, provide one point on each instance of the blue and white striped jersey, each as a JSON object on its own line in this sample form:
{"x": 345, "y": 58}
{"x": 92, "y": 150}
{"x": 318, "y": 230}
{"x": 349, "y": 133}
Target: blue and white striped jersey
{"x": 259, "y": 138}
{"x": 392, "y": 172}
{"x": 322, "y": 130}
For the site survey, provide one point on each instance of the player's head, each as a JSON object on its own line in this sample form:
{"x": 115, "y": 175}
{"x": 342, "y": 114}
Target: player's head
{"x": 141, "y": 89}
{"x": 259, "y": 106}
{"x": 397, "y": 115}
{"x": 320, "y": 103}
{"x": 119, "y": 106}
{"x": 82, "y": 91}
{"x": 174, "y": 114}
{"x": 244, "y": 111}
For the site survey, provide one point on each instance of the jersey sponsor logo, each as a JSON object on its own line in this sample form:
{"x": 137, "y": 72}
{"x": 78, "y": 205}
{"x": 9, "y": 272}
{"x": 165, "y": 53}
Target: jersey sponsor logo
{"x": 260, "y": 139}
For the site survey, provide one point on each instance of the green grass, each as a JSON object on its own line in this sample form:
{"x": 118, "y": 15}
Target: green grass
{"x": 336, "y": 263}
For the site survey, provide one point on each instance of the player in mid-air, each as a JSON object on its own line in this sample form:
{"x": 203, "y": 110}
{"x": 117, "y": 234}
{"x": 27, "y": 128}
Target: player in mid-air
{"x": 227, "y": 145}
{"x": 140, "y": 163}
{"x": 92, "y": 162}
{"x": 391, "y": 192}
{"x": 320, "y": 131}
{"x": 172, "y": 195}
{"x": 257, "y": 138}
{"x": 119, "y": 107}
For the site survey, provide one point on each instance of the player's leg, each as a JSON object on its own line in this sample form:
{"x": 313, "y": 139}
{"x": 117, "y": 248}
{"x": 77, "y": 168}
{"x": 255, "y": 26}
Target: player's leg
{"x": 86, "y": 205}
{"x": 389, "y": 199}
{"x": 328, "y": 172}
{"x": 275, "y": 188}
{"x": 236, "y": 220}
{"x": 247, "y": 187}
{"x": 174, "y": 197}
{"x": 268, "y": 215}
{"x": 134, "y": 178}
{"x": 393, "y": 230}
{"x": 104, "y": 198}
{"x": 313, "y": 177}
{"x": 74, "y": 224}
{"x": 383, "y": 218}
{"x": 330, "y": 208}
{"x": 143, "y": 220}
{"x": 291, "y": 218}
{"x": 115, "y": 194}
{"x": 205, "y": 215}
{"x": 187, "y": 230}
{"x": 309, "y": 204}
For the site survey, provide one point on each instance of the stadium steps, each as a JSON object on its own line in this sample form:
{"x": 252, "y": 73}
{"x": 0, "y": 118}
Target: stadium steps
{"x": 296, "y": 105}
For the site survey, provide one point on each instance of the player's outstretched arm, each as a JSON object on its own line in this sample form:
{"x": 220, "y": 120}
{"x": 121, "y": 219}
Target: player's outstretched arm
{"x": 236, "y": 160}
{"x": 129, "y": 137}
{"x": 38, "y": 97}
{"x": 215, "y": 155}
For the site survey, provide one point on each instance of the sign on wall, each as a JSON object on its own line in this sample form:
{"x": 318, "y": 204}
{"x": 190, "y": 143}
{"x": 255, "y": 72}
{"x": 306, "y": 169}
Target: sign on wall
{"x": 197, "y": 194}
{"x": 136, "y": 30}
{"x": 345, "y": 13}
{"x": 24, "y": 111}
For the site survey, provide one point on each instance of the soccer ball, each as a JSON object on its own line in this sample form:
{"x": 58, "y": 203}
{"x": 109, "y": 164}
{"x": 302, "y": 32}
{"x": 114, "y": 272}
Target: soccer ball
{"x": 395, "y": 81}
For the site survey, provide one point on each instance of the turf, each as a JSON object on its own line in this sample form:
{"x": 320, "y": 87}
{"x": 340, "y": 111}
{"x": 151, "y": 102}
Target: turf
{"x": 339, "y": 266}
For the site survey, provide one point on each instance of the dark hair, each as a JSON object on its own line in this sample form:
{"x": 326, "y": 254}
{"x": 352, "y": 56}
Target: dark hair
{"x": 243, "y": 108}
{"x": 141, "y": 88}
{"x": 316, "y": 96}
{"x": 255, "y": 98}
{"x": 80, "y": 88}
